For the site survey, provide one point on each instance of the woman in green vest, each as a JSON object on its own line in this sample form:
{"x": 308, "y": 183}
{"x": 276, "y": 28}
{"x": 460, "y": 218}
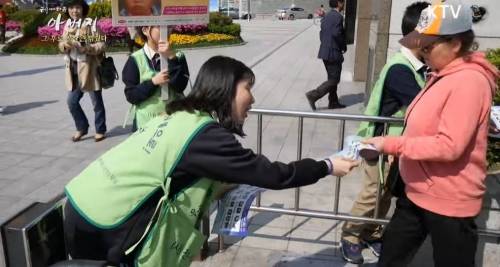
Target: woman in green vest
{"x": 141, "y": 202}
{"x": 143, "y": 77}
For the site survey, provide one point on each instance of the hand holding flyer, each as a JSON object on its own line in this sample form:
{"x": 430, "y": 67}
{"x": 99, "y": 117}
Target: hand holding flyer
{"x": 354, "y": 149}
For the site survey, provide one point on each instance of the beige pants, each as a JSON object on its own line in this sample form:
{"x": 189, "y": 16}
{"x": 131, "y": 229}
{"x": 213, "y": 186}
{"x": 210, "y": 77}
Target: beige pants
{"x": 365, "y": 205}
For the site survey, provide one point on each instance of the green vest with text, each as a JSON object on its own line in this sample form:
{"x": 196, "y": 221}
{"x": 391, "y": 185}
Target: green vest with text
{"x": 367, "y": 129}
{"x": 117, "y": 184}
{"x": 154, "y": 105}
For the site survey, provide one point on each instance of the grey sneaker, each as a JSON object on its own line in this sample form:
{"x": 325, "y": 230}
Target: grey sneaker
{"x": 351, "y": 252}
{"x": 375, "y": 246}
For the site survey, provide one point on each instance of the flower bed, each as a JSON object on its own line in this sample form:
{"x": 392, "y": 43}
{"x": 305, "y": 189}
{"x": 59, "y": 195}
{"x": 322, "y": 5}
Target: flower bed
{"x": 13, "y": 25}
{"x": 188, "y": 39}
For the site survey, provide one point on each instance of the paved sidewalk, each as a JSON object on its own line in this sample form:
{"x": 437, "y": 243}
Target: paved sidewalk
{"x": 37, "y": 157}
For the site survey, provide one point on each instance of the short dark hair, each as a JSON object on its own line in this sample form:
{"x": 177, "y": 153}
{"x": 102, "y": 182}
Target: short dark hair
{"x": 335, "y": 3}
{"x": 411, "y": 16}
{"x": 215, "y": 89}
{"x": 138, "y": 30}
{"x": 466, "y": 40}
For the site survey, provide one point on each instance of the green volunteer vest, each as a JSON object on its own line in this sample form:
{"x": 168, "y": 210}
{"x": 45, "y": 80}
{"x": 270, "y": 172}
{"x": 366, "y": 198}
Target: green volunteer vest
{"x": 154, "y": 105}
{"x": 115, "y": 185}
{"x": 367, "y": 129}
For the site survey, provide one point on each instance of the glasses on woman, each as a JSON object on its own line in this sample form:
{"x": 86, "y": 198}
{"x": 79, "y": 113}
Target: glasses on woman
{"x": 428, "y": 48}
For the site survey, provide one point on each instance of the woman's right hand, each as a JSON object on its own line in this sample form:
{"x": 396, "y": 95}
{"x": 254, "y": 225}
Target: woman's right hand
{"x": 160, "y": 78}
{"x": 342, "y": 166}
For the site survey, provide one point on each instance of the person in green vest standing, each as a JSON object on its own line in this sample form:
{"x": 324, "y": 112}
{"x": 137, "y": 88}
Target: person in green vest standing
{"x": 400, "y": 80}
{"x": 143, "y": 77}
{"x": 140, "y": 203}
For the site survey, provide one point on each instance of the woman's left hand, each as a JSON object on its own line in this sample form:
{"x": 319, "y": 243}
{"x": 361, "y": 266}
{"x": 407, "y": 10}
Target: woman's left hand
{"x": 377, "y": 142}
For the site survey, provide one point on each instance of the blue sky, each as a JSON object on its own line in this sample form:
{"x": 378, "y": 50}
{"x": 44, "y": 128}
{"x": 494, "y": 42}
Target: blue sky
{"x": 214, "y": 5}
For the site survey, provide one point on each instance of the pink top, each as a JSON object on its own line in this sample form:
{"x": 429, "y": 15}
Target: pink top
{"x": 443, "y": 149}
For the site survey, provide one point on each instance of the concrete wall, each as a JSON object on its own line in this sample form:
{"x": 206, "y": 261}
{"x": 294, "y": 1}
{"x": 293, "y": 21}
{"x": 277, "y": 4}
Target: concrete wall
{"x": 487, "y": 30}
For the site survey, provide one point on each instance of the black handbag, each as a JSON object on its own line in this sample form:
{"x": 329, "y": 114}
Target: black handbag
{"x": 107, "y": 72}
{"x": 394, "y": 180}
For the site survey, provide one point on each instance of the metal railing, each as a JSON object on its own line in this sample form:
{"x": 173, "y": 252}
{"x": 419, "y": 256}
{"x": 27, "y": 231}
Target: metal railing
{"x": 334, "y": 215}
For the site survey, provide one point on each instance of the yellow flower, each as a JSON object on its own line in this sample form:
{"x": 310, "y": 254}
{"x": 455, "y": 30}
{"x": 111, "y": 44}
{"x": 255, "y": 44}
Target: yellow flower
{"x": 186, "y": 39}
{"x": 138, "y": 40}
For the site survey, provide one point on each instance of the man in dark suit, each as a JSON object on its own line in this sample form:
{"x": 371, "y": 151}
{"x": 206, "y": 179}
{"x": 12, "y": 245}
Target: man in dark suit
{"x": 333, "y": 45}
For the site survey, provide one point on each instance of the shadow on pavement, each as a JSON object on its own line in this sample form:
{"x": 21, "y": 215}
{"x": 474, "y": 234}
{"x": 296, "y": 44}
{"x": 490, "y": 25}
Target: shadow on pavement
{"x": 318, "y": 259}
{"x": 118, "y": 131}
{"x": 26, "y": 106}
{"x": 352, "y": 99}
{"x": 30, "y": 72}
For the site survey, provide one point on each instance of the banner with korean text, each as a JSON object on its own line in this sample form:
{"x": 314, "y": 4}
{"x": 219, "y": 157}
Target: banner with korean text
{"x": 159, "y": 12}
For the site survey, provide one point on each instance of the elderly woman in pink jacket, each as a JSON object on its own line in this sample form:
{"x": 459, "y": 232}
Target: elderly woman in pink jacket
{"x": 442, "y": 153}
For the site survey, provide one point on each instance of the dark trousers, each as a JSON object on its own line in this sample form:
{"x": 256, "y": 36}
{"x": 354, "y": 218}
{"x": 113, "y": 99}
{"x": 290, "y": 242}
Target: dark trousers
{"x": 454, "y": 240}
{"x": 2, "y": 34}
{"x": 78, "y": 115}
{"x": 86, "y": 241}
{"x": 333, "y": 70}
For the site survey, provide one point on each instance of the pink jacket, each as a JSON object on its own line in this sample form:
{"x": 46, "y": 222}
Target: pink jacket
{"x": 443, "y": 149}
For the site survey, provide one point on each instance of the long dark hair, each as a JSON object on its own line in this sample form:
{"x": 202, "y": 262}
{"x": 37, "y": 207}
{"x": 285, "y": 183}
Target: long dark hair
{"x": 214, "y": 91}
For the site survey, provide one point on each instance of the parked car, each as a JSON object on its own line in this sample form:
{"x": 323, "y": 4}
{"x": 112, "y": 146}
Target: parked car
{"x": 293, "y": 13}
{"x": 280, "y": 13}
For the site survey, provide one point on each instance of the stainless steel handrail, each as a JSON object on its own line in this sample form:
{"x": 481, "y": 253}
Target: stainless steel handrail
{"x": 335, "y": 215}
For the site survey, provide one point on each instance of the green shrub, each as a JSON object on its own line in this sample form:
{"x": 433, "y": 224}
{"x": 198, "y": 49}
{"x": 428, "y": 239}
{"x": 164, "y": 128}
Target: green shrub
{"x": 494, "y": 144}
{"x": 219, "y": 19}
{"x": 30, "y": 28}
{"x": 100, "y": 10}
{"x": 232, "y": 29}
{"x": 10, "y": 9}
{"x": 24, "y": 15}
{"x": 494, "y": 57}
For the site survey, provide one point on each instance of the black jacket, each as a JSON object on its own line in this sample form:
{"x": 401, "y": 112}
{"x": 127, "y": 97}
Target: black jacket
{"x": 332, "y": 37}
{"x": 137, "y": 92}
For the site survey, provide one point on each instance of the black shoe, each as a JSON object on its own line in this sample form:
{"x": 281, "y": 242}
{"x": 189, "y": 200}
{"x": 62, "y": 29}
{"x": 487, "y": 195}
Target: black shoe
{"x": 311, "y": 99}
{"x": 336, "y": 105}
{"x": 351, "y": 252}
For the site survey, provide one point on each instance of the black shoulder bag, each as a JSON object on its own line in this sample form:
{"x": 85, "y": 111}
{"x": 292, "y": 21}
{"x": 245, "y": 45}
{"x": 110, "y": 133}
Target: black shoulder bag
{"x": 107, "y": 72}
